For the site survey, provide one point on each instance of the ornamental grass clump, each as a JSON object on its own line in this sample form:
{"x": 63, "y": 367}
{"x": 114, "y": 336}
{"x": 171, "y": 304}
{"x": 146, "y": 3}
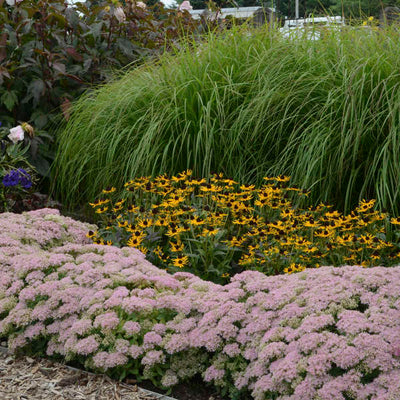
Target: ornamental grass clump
{"x": 249, "y": 104}
{"x": 218, "y": 227}
{"x": 321, "y": 334}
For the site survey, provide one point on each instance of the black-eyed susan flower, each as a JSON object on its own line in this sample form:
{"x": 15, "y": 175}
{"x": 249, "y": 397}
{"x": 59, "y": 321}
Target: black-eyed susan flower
{"x": 235, "y": 241}
{"x": 179, "y": 178}
{"x": 130, "y": 228}
{"x": 98, "y": 203}
{"x": 117, "y": 208}
{"x": 262, "y": 202}
{"x": 122, "y": 224}
{"x": 209, "y": 232}
{"x": 196, "y": 221}
{"x": 109, "y": 225}
{"x": 129, "y": 183}
{"x": 240, "y": 221}
{"x": 365, "y": 205}
{"x": 395, "y": 221}
{"x": 247, "y": 187}
{"x": 333, "y": 214}
{"x": 143, "y": 249}
{"x": 366, "y": 239}
{"x": 145, "y": 223}
{"x": 282, "y": 178}
{"x": 246, "y": 259}
{"x": 350, "y": 259}
{"x": 311, "y": 223}
{"x": 138, "y": 233}
{"x": 180, "y": 261}
{"x": 91, "y": 234}
{"x": 174, "y": 231}
{"x": 162, "y": 221}
{"x": 158, "y": 252}
{"x": 196, "y": 182}
{"x": 134, "y": 241}
{"x": 109, "y": 189}
{"x": 289, "y": 270}
{"x": 119, "y": 203}
{"x": 229, "y": 182}
{"x": 176, "y": 247}
{"x": 375, "y": 255}
{"x": 101, "y": 210}
{"x": 279, "y": 225}
{"x": 324, "y": 233}
{"x": 208, "y": 187}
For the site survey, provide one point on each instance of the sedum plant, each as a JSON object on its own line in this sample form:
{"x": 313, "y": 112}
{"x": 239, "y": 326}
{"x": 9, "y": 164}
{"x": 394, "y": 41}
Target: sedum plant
{"x": 328, "y": 333}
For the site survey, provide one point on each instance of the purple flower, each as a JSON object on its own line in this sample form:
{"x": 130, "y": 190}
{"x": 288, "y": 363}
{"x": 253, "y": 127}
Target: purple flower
{"x": 17, "y": 177}
{"x": 24, "y": 179}
{"x": 11, "y": 179}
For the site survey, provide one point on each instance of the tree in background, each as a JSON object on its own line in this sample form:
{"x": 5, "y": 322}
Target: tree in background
{"x": 357, "y": 8}
{"x": 348, "y": 8}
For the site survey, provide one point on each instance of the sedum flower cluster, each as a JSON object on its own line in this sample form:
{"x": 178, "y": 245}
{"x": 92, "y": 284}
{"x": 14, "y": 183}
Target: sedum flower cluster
{"x": 216, "y": 228}
{"x": 322, "y": 334}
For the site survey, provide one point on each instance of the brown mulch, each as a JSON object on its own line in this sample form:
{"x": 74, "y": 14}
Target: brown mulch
{"x": 25, "y": 378}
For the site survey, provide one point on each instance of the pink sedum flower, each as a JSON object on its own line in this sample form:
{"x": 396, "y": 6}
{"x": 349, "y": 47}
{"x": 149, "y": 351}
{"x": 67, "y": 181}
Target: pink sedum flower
{"x": 338, "y": 335}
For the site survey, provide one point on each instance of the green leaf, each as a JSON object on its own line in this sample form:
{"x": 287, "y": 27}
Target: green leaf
{"x": 41, "y": 165}
{"x": 36, "y": 89}
{"x": 9, "y": 99}
{"x": 15, "y": 151}
{"x": 125, "y": 46}
{"x": 41, "y": 121}
{"x": 74, "y": 54}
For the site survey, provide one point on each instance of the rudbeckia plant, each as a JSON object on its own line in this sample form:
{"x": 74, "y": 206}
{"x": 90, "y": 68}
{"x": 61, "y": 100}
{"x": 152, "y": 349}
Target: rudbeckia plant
{"x": 218, "y": 227}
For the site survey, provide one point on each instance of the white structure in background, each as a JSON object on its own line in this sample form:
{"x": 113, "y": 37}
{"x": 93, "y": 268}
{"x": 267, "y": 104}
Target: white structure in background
{"x": 311, "y": 26}
{"x": 240, "y": 12}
